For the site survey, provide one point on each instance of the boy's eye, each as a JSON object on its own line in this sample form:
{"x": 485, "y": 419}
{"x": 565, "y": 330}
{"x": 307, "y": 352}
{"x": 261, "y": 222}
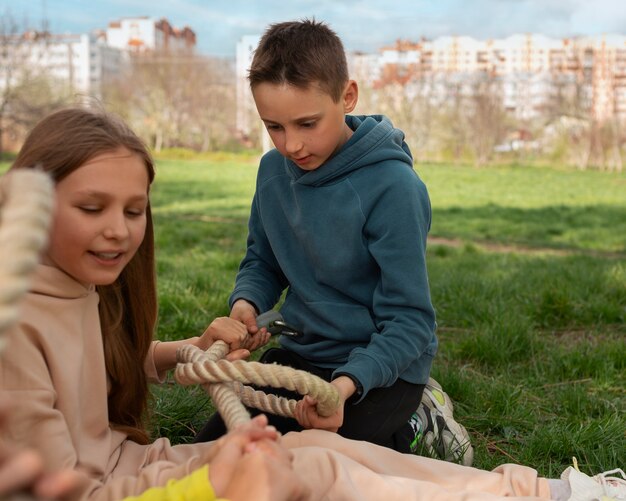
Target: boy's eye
{"x": 308, "y": 125}
{"x": 272, "y": 126}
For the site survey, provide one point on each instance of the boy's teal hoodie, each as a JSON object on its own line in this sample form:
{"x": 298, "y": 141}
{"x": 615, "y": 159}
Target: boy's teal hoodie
{"x": 348, "y": 241}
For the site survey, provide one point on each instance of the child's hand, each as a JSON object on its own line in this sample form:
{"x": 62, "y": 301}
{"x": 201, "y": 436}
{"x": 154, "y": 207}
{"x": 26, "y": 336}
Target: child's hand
{"x": 306, "y": 414}
{"x": 244, "y": 312}
{"x": 230, "y": 331}
{"x": 240, "y": 354}
{"x": 306, "y": 410}
{"x": 265, "y": 473}
{"x": 229, "y": 449}
{"x": 22, "y": 469}
{"x": 256, "y": 429}
{"x": 256, "y": 341}
{"x": 249, "y": 463}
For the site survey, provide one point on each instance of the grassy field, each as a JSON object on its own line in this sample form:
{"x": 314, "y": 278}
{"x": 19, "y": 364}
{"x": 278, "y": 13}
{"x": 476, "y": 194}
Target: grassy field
{"x": 528, "y": 276}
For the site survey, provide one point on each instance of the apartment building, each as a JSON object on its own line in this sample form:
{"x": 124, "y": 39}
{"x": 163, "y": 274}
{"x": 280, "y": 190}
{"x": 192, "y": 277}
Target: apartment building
{"x": 529, "y": 69}
{"x": 247, "y": 121}
{"x": 145, "y": 34}
{"x": 84, "y": 62}
{"x": 81, "y": 62}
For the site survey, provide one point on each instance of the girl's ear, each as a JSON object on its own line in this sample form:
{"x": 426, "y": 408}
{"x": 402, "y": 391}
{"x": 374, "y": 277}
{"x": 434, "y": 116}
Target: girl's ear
{"x": 350, "y": 96}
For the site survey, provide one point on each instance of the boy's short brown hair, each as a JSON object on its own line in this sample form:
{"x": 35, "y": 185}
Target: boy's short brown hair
{"x": 301, "y": 53}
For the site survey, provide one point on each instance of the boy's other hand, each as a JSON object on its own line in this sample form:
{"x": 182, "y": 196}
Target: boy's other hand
{"x": 306, "y": 414}
{"x": 306, "y": 409}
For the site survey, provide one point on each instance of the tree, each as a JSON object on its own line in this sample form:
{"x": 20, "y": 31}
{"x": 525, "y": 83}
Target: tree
{"x": 179, "y": 99}
{"x": 27, "y": 92}
{"x": 486, "y": 118}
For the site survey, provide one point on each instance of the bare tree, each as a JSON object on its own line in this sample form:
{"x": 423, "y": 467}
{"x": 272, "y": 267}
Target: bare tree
{"x": 451, "y": 127}
{"x": 485, "y": 117}
{"x": 177, "y": 100}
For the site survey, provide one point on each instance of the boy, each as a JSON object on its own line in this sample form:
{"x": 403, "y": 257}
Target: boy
{"x": 340, "y": 220}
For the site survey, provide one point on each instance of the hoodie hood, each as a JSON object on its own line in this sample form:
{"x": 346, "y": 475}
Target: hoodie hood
{"x": 375, "y": 139}
{"x": 50, "y": 281}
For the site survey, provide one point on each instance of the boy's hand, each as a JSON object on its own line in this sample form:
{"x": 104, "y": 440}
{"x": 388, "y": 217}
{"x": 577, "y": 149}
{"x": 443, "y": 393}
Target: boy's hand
{"x": 306, "y": 414}
{"x": 244, "y": 312}
{"x": 306, "y": 409}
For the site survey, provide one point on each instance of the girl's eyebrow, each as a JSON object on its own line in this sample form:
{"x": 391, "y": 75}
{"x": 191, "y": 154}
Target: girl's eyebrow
{"x": 105, "y": 195}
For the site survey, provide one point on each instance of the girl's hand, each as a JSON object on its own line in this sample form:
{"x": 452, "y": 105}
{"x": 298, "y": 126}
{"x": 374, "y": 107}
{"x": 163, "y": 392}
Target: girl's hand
{"x": 265, "y": 473}
{"x": 226, "y": 451}
{"x": 22, "y": 470}
{"x": 240, "y": 354}
{"x": 249, "y": 463}
{"x": 226, "y": 329}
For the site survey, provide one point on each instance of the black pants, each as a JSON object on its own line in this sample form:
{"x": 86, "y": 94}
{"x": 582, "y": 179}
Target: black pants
{"x": 381, "y": 417}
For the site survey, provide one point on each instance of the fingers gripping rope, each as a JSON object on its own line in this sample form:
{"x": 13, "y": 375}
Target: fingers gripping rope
{"x": 224, "y": 381}
{"x": 26, "y": 202}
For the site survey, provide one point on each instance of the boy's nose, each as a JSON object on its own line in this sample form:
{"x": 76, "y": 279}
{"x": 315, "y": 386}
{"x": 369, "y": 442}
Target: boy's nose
{"x": 293, "y": 144}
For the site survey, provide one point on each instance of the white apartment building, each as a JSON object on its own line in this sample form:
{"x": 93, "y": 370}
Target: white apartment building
{"x": 247, "y": 120}
{"x": 84, "y": 62}
{"x": 81, "y": 62}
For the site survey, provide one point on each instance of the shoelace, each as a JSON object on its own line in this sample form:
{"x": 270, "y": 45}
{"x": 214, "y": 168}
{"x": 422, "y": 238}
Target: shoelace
{"x": 613, "y": 485}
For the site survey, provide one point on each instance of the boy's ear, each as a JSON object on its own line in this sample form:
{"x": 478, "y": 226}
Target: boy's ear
{"x": 350, "y": 96}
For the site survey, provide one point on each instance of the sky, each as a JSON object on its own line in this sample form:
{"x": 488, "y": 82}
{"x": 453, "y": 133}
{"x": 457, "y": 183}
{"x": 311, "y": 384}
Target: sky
{"x": 364, "y": 25}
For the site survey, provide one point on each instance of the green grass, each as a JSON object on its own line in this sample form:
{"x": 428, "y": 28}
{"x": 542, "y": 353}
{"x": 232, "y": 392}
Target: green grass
{"x": 528, "y": 275}
{"x": 560, "y": 209}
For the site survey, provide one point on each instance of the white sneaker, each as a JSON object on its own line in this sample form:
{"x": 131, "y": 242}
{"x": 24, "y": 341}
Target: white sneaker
{"x": 606, "y": 486}
{"x": 436, "y": 429}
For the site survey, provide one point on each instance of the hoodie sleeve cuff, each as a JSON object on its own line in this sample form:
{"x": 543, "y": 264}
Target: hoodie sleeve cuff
{"x": 358, "y": 395}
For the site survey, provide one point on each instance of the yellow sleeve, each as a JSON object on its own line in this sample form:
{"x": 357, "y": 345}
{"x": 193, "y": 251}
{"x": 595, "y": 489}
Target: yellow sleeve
{"x": 193, "y": 487}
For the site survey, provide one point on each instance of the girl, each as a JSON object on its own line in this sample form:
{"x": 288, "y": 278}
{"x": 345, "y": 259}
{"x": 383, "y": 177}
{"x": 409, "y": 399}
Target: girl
{"x": 82, "y": 355}
{"x": 79, "y": 361}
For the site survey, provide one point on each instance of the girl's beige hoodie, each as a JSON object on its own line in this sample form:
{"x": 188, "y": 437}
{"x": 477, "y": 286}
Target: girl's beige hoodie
{"x": 53, "y": 370}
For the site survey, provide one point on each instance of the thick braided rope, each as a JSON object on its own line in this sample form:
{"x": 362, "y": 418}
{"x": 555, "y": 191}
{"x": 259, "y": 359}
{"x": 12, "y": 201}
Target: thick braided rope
{"x": 209, "y": 369}
{"x": 26, "y": 203}
{"x": 224, "y": 398}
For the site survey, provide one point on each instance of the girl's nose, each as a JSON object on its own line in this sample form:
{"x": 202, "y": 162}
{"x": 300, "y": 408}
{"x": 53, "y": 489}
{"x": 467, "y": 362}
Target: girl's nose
{"x": 116, "y": 226}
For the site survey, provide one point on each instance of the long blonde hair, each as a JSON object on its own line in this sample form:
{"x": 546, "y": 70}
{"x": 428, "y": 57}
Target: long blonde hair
{"x": 59, "y": 144}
